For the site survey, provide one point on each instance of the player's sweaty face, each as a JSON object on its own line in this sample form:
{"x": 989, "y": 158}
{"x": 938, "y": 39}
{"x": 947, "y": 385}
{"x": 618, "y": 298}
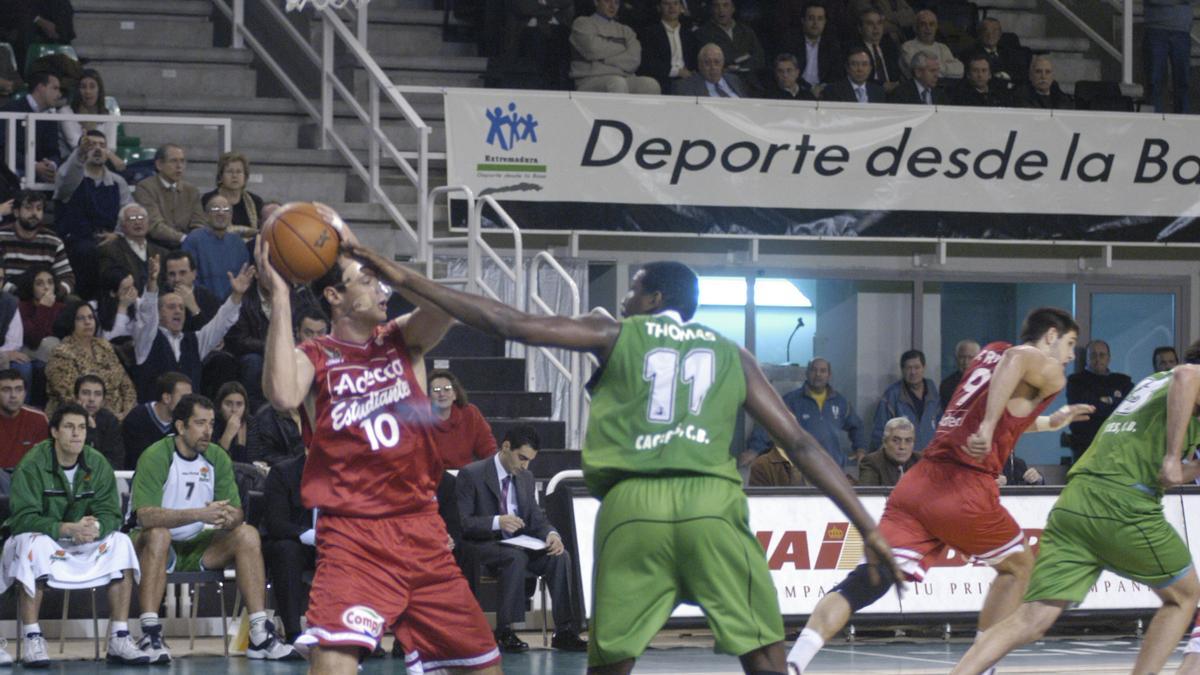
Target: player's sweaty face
{"x": 362, "y": 292}
{"x": 637, "y": 301}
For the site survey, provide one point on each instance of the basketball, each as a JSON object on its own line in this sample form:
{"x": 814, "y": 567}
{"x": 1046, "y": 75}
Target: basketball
{"x": 304, "y": 239}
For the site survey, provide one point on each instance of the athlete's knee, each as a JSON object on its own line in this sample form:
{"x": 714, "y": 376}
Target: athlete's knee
{"x": 1183, "y": 592}
{"x": 1018, "y": 564}
{"x": 154, "y": 541}
{"x": 246, "y": 538}
{"x": 860, "y": 591}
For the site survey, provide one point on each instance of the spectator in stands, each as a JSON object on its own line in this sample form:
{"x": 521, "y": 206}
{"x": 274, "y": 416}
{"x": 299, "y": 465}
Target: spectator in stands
{"x": 1164, "y": 358}
{"x": 1006, "y": 64}
{"x": 200, "y": 303}
{"x": 13, "y": 330}
{"x": 882, "y": 50}
{"x": 856, "y": 87}
{"x": 172, "y": 203}
{"x": 172, "y": 532}
{"x": 218, "y": 253}
{"x": 743, "y": 52}
{"x": 1016, "y": 472}
{"x": 964, "y": 352}
{"x": 67, "y": 491}
{"x": 788, "y": 86}
{"x": 605, "y": 54}
{"x": 823, "y": 412}
{"x": 886, "y": 465}
{"x": 540, "y": 29}
{"x": 130, "y": 251}
{"x": 1168, "y": 39}
{"x": 44, "y": 96}
{"x": 897, "y": 16}
{"x": 149, "y": 422}
{"x": 774, "y": 469}
{"x": 460, "y": 433}
{"x": 10, "y": 77}
{"x": 711, "y": 80}
{"x": 83, "y": 352}
{"x": 913, "y": 396}
{"x": 39, "y": 307}
{"x": 115, "y": 306}
{"x": 89, "y": 199}
{"x": 44, "y": 21}
{"x": 162, "y": 345}
{"x": 979, "y": 89}
{"x": 1098, "y": 386}
{"x": 1042, "y": 91}
{"x": 923, "y": 89}
{"x": 926, "y": 41}
{"x": 668, "y": 47}
{"x": 21, "y": 426}
{"x": 88, "y": 99}
{"x": 233, "y": 170}
{"x": 232, "y": 423}
{"x": 27, "y": 242}
{"x": 290, "y": 546}
{"x": 496, "y": 501}
{"x": 104, "y": 429}
{"x": 818, "y": 53}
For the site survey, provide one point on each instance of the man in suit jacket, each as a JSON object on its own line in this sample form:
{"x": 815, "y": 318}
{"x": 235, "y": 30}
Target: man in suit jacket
{"x": 289, "y": 548}
{"x": 881, "y": 49}
{"x": 496, "y": 502}
{"x": 711, "y": 80}
{"x": 131, "y": 250}
{"x": 788, "y": 85}
{"x": 923, "y": 89}
{"x": 818, "y": 53}
{"x": 668, "y": 47}
{"x": 886, "y": 465}
{"x": 979, "y": 89}
{"x": 856, "y": 87}
{"x": 1005, "y": 58}
{"x": 744, "y": 54}
{"x": 44, "y": 95}
{"x": 172, "y": 203}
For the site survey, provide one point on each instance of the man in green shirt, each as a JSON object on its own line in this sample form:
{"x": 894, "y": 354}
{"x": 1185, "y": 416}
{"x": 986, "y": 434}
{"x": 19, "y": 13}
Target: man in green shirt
{"x": 1110, "y": 516}
{"x": 65, "y": 516}
{"x": 674, "y": 523}
{"x": 190, "y": 518}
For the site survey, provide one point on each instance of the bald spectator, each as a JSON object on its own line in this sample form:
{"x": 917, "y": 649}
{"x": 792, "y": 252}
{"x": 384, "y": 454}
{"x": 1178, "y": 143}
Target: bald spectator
{"x": 712, "y": 79}
{"x": 1165, "y": 358}
{"x": 897, "y": 15}
{"x": 172, "y": 203}
{"x": 926, "y": 41}
{"x": 743, "y": 52}
{"x": 788, "y": 85}
{"x": 606, "y": 54}
{"x": 1042, "y": 91}
{"x": 886, "y": 465}
{"x": 964, "y": 352}
{"x": 1095, "y": 385}
{"x": 979, "y": 89}
{"x": 823, "y": 412}
{"x": 668, "y": 48}
{"x": 857, "y": 86}
{"x": 923, "y": 89}
{"x": 882, "y": 50}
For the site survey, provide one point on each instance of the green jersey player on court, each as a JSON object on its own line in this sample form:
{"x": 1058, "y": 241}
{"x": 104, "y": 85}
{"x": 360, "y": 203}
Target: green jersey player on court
{"x": 1110, "y": 516}
{"x": 673, "y": 524}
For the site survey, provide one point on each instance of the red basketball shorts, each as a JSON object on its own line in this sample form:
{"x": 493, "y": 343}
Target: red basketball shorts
{"x": 938, "y": 506}
{"x": 378, "y": 574}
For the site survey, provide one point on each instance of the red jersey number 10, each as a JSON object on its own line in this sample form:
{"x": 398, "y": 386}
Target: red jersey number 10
{"x": 383, "y": 432}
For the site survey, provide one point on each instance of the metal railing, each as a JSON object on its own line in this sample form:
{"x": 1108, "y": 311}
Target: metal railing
{"x": 29, "y": 181}
{"x": 1124, "y": 55}
{"x": 572, "y": 370}
{"x": 379, "y": 86}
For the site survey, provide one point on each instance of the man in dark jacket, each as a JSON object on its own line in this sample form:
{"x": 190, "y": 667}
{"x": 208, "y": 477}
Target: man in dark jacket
{"x": 923, "y": 89}
{"x": 886, "y": 465}
{"x": 857, "y": 86}
{"x": 669, "y": 47}
{"x": 1042, "y": 91}
{"x": 104, "y": 429}
{"x": 289, "y": 549}
{"x": 823, "y": 412}
{"x": 1095, "y": 385}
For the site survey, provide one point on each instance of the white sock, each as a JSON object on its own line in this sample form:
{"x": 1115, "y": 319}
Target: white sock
{"x": 806, "y": 647}
{"x": 258, "y": 626}
{"x": 115, "y": 627}
{"x": 148, "y": 620}
{"x": 31, "y": 628}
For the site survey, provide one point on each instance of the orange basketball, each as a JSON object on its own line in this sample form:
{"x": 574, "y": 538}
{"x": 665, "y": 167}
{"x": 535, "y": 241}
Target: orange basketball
{"x": 304, "y": 240}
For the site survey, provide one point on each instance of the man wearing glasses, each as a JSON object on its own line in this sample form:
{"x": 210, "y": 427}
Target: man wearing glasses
{"x": 217, "y": 252}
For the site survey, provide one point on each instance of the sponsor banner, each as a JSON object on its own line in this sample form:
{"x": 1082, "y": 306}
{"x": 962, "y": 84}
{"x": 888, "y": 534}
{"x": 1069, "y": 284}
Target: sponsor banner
{"x": 579, "y": 147}
{"x": 810, "y": 548}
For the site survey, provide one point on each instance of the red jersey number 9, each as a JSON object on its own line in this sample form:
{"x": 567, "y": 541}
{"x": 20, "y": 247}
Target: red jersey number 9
{"x": 382, "y": 430}
{"x": 979, "y": 377}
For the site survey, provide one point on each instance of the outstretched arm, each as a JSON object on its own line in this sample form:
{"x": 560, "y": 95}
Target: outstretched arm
{"x": 1181, "y": 407}
{"x": 591, "y": 332}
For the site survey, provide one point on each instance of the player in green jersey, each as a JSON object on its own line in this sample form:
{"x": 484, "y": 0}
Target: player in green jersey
{"x": 673, "y": 525}
{"x": 1110, "y": 516}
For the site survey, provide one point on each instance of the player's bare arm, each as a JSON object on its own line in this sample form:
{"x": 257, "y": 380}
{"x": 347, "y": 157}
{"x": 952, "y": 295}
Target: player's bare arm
{"x": 287, "y": 372}
{"x": 1182, "y": 395}
{"x": 1015, "y": 365}
{"x": 768, "y": 409}
{"x": 594, "y": 332}
{"x": 157, "y": 516}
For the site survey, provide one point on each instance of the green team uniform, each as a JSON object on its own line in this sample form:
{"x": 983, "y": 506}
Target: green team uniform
{"x": 165, "y": 478}
{"x": 673, "y": 524}
{"x": 1110, "y": 515}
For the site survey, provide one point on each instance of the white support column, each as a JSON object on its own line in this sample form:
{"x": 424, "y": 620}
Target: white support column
{"x": 326, "y": 82}
{"x": 373, "y": 146}
{"x": 362, "y": 22}
{"x": 1127, "y": 41}
{"x": 239, "y": 22}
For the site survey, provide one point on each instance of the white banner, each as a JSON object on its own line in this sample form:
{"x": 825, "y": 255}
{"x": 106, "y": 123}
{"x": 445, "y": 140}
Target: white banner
{"x": 579, "y": 147}
{"x": 810, "y": 548}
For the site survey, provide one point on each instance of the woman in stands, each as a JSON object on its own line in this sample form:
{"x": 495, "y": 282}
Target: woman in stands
{"x": 117, "y": 304}
{"x": 39, "y": 306}
{"x": 460, "y": 433}
{"x": 230, "y": 427}
{"x": 81, "y": 352}
{"x": 88, "y": 99}
{"x": 233, "y": 169}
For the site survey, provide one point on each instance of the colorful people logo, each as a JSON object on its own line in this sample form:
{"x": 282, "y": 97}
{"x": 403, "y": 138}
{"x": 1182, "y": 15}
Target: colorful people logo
{"x": 507, "y": 130}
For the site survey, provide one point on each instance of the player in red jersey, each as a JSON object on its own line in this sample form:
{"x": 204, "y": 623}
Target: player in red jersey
{"x": 383, "y": 558}
{"x": 950, "y": 498}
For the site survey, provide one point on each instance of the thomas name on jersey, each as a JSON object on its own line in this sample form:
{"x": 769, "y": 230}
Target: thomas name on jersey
{"x": 360, "y": 383}
{"x": 678, "y": 333}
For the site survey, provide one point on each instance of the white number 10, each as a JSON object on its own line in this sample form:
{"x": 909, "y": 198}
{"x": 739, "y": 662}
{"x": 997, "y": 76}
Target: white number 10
{"x": 382, "y": 431}
{"x": 661, "y": 369}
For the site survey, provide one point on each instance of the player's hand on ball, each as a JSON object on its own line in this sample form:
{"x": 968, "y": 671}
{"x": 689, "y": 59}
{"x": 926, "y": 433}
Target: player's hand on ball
{"x": 1078, "y": 412}
{"x": 881, "y": 565}
{"x": 554, "y": 544}
{"x": 511, "y": 524}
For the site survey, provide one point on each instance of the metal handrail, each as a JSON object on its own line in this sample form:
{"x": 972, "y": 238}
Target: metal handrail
{"x": 574, "y": 371}
{"x": 1124, "y": 55}
{"x": 516, "y": 273}
{"x": 425, "y": 238}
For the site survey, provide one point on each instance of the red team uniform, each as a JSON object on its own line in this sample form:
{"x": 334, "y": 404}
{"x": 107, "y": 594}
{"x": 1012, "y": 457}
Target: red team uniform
{"x": 372, "y": 473}
{"x": 950, "y": 499}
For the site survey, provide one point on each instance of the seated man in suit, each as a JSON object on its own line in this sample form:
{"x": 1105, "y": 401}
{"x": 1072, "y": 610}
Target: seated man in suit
{"x": 788, "y": 85}
{"x": 882, "y": 50}
{"x": 711, "y": 80}
{"x": 857, "y": 85}
{"x": 496, "y": 502}
{"x": 818, "y": 53}
{"x": 668, "y": 47}
{"x": 1042, "y": 91}
{"x": 1008, "y": 64}
{"x": 923, "y": 89}
{"x": 886, "y": 465}
{"x": 979, "y": 89}
{"x": 289, "y": 549}
{"x": 743, "y": 52}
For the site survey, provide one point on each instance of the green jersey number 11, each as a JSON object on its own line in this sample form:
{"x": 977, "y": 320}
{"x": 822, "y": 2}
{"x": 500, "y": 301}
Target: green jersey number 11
{"x": 661, "y": 370}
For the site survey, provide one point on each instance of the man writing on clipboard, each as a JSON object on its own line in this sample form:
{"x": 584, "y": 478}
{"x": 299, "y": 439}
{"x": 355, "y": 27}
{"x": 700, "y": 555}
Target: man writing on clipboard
{"x": 511, "y": 537}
